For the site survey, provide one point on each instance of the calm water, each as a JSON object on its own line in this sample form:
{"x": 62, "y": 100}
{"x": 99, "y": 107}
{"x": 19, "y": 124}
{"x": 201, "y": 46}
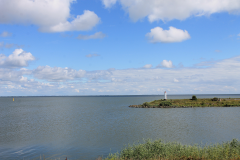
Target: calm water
{"x": 88, "y": 127}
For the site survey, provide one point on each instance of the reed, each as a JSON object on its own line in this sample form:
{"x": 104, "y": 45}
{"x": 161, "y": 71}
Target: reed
{"x": 158, "y": 150}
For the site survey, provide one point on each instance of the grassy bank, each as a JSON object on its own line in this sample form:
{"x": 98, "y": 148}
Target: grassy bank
{"x": 158, "y": 150}
{"x": 182, "y": 103}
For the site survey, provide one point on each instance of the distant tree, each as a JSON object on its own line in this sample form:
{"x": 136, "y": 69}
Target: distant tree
{"x": 215, "y": 99}
{"x": 194, "y": 97}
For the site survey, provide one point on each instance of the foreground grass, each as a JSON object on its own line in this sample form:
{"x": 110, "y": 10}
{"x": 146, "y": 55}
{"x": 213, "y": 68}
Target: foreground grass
{"x": 178, "y": 103}
{"x": 158, "y": 150}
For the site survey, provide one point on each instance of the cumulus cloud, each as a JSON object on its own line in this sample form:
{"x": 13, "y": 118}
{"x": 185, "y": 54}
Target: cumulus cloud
{"x": 174, "y": 9}
{"x": 92, "y": 55}
{"x": 100, "y": 75}
{"x": 49, "y": 15}
{"x": 217, "y": 50}
{"x": 109, "y": 3}
{"x": 97, "y": 35}
{"x": 219, "y": 77}
{"x": 7, "y": 74}
{"x": 5, "y": 34}
{"x": 157, "y": 34}
{"x": 83, "y": 22}
{"x": 147, "y": 66}
{"x": 57, "y": 73}
{"x": 19, "y": 58}
{"x": 166, "y": 64}
{"x": 239, "y": 34}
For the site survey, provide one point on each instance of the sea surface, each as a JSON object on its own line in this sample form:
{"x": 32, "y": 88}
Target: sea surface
{"x": 86, "y": 127}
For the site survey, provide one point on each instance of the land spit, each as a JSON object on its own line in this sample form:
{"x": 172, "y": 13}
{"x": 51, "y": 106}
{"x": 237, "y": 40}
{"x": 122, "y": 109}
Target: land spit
{"x": 190, "y": 103}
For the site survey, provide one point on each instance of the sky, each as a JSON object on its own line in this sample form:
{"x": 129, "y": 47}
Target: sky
{"x": 119, "y": 47}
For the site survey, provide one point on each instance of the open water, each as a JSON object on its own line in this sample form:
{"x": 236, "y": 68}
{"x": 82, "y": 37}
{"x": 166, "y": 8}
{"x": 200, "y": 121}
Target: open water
{"x": 91, "y": 126}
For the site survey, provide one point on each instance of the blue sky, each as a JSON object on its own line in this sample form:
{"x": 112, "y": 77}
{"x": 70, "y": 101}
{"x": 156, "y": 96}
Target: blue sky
{"x": 119, "y": 47}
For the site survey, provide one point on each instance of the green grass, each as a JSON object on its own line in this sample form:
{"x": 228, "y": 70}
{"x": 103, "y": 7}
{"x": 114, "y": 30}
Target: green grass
{"x": 158, "y": 150}
{"x": 177, "y": 103}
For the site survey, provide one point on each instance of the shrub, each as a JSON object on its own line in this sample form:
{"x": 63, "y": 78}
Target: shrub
{"x": 158, "y": 149}
{"x": 215, "y": 99}
{"x": 165, "y": 103}
{"x": 194, "y": 97}
{"x": 146, "y": 104}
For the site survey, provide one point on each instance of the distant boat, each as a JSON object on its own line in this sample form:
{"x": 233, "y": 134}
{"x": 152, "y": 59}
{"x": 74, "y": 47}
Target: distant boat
{"x": 13, "y": 99}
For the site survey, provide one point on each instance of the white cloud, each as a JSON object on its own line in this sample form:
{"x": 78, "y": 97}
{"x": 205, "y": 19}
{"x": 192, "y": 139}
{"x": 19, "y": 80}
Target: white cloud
{"x": 5, "y": 34}
{"x": 157, "y": 34}
{"x": 109, "y": 3}
{"x": 23, "y": 79}
{"x": 19, "y": 58}
{"x": 147, "y": 66}
{"x": 92, "y": 55}
{"x": 9, "y": 75}
{"x": 239, "y": 34}
{"x": 57, "y": 73}
{"x": 97, "y": 35}
{"x": 83, "y": 22}
{"x": 219, "y": 77}
{"x": 217, "y": 50}
{"x": 174, "y": 9}
{"x": 49, "y": 15}
{"x": 166, "y": 64}
{"x": 175, "y": 80}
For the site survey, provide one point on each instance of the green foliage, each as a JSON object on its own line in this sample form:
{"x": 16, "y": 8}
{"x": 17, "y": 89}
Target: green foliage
{"x": 194, "y": 97}
{"x": 158, "y": 150}
{"x": 165, "y": 103}
{"x": 215, "y": 99}
{"x": 146, "y": 104}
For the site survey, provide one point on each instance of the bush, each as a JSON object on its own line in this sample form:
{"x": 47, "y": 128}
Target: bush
{"x": 165, "y": 103}
{"x": 146, "y": 104}
{"x": 194, "y": 97}
{"x": 158, "y": 149}
{"x": 215, "y": 99}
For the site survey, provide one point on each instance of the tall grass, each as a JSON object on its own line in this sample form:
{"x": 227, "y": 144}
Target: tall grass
{"x": 158, "y": 150}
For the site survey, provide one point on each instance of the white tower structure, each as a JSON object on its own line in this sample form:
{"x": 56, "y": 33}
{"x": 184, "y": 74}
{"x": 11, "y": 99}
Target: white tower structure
{"x": 165, "y": 95}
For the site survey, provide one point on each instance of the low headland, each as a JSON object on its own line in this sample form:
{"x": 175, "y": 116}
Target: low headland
{"x": 190, "y": 103}
{"x": 158, "y": 150}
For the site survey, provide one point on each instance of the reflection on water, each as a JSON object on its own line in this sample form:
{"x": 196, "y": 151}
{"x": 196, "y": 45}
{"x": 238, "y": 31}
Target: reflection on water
{"x": 88, "y": 127}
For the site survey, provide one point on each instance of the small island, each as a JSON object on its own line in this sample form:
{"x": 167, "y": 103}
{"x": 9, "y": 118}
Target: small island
{"x": 190, "y": 103}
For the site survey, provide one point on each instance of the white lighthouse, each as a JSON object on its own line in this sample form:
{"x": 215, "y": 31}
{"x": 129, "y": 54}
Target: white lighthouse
{"x": 165, "y": 95}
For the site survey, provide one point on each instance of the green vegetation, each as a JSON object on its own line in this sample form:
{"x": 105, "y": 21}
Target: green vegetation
{"x": 194, "y": 97}
{"x": 194, "y": 102}
{"x": 146, "y": 104}
{"x": 158, "y": 150}
{"x": 215, "y": 99}
{"x": 165, "y": 103}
